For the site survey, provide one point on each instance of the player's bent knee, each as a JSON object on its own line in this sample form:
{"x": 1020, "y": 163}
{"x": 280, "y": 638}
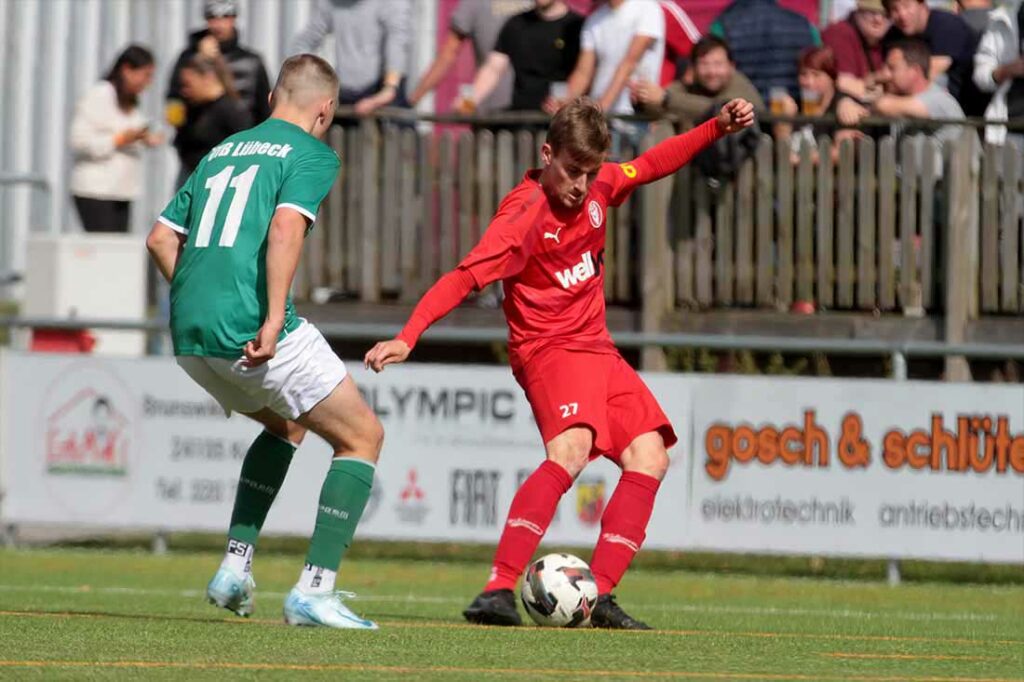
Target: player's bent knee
{"x": 652, "y": 460}
{"x": 293, "y": 433}
{"x": 368, "y": 440}
{"x": 571, "y": 450}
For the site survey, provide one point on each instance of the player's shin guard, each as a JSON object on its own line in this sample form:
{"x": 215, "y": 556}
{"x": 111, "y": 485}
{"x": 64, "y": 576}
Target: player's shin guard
{"x": 263, "y": 471}
{"x": 623, "y": 528}
{"x": 528, "y": 518}
{"x": 343, "y": 498}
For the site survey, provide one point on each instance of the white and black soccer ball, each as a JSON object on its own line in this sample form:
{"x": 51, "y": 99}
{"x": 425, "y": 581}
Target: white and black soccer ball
{"x": 559, "y": 591}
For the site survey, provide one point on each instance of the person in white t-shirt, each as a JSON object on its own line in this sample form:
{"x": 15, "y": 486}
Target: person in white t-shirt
{"x": 622, "y": 40}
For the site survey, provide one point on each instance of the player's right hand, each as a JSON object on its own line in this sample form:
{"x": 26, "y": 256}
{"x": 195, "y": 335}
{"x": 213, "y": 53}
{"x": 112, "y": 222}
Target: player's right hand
{"x": 736, "y": 115}
{"x": 386, "y": 353}
{"x": 264, "y": 346}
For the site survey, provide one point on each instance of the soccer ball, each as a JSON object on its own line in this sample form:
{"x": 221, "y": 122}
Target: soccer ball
{"x": 559, "y": 591}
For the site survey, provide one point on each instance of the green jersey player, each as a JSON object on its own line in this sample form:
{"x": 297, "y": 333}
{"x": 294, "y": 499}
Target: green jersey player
{"x": 229, "y": 243}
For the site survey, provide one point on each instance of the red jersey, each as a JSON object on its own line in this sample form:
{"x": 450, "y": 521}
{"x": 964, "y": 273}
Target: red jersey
{"x": 550, "y": 259}
{"x": 551, "y": 264}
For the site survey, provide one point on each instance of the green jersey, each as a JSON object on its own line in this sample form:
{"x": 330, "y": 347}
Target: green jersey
{"x": 219, "y": 290}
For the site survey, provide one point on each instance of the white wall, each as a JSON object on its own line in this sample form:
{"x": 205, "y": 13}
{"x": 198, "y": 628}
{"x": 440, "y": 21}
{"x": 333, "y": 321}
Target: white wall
{"x": 51, "y": 51}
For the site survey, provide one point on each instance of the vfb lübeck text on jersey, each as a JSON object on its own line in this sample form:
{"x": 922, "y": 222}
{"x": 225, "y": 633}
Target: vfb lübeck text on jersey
{"x": 250, "y": 148}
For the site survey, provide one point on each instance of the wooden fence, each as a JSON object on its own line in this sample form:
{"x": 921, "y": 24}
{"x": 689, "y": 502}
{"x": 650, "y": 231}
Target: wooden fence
{"x": 870, "y": 227}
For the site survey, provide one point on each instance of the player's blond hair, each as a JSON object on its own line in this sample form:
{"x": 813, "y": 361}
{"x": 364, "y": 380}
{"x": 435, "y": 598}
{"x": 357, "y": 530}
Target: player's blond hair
{"x": 581, "y": 129}
{"x": 305, "y": 79}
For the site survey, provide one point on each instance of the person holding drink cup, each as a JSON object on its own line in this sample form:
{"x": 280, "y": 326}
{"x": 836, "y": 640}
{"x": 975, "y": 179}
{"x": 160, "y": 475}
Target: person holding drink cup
{"x": 818, "y": 99}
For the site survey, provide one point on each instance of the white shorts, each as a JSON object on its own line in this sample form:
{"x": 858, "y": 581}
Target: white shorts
{"x": 303, "y": 372}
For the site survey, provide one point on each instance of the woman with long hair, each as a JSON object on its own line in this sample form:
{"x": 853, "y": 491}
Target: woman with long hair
{"x": 107, "y": 134}
{"x": 214, "y": 110}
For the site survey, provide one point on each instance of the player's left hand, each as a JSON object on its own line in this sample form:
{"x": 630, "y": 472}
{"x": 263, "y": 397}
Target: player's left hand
{"x": 264, "y": 346}
{"x": 736, "y": 115}
{"x": 386, "y": 353}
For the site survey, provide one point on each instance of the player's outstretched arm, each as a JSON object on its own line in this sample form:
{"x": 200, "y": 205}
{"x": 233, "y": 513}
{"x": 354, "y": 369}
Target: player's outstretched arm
{"x": 669, "y": 156}
{"x": 164, "y": 245}
{"x": 440, "y": 300}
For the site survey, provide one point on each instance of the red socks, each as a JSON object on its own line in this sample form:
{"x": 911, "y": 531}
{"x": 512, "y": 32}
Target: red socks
{"x": 532, "y": 510}
{"x": 623, "y": 528}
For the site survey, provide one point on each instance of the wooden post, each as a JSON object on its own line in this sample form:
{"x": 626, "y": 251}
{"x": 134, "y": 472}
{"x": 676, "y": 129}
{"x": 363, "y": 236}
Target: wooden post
{"x": 745, "y": 233}
{"x": 486, "y": 188}
{"x": 784, "y": 170}
{"x": 388, "y": 229}
{"x": 960, "y": 236}
{"x": 353, "y": 210}
{"x": 1010, "y": 237}
{"x": 825, "y": 223}
{"x": 411, "y": 208}
{"x": 506, "y": 165}
{"x": 681, "y": 212}
{"x": 908, "y": 292}
{"x": 926, "y": 259}
{"x": 446, "y": 172}
{"x": 467, "y": 191}
{"x": 370, "y": 227}
{"x": 765, "y": 227}
{"x": 886, "y": 222}
{"x": 656, "y": 276}
{"x": 702, "y": 220}
{"x": 867, "y": 235}
{"x": 335, "y": 226}
{"x": 805, "y": 226}
{"x": 525, "y": 153}
{"x": 990, "y": 228}
{"x": 724, "y": 231}
{"x": 844, "y": 224}
{"x": 431, "y": 231}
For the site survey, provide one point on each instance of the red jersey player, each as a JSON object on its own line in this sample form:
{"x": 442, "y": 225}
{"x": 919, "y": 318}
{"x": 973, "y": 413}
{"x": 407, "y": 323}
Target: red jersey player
{"x": 546, "y": 244}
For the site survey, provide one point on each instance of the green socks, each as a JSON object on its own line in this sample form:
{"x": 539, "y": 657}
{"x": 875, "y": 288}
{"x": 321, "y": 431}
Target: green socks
{"x": 342, "y": 500}
{"x": 263, "y": 471}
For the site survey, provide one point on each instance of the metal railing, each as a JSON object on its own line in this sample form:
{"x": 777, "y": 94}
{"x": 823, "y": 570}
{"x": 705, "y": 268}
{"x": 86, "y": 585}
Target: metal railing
{"x": 898, "y": 350}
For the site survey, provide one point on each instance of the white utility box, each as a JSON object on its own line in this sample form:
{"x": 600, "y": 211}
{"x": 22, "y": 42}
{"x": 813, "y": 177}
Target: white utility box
{"x": 89, "y": 276}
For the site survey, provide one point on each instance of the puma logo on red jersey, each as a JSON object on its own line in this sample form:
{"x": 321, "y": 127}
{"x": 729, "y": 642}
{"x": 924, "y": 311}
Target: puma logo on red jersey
{"x": 578, "y": 273}
{"x": 553, "y": 235}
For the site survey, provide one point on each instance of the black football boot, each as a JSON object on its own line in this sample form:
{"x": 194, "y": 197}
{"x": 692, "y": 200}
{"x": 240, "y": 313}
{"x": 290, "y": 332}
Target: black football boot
{"x": 494, "y": 607}
{"x": 608, "y": 614}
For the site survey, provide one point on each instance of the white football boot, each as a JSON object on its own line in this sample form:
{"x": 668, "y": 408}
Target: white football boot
{"x": 232, "y": 592}
{"x": 326, "y": 610}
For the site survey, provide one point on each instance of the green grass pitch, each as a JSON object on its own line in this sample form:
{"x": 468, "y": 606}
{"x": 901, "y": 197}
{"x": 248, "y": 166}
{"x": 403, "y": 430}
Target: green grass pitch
{"x": 92, "y": 614}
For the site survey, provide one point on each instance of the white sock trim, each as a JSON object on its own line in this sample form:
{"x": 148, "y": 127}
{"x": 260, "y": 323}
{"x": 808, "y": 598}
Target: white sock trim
{"x": 316, "y": 580}
{"x": 350, "y": 458}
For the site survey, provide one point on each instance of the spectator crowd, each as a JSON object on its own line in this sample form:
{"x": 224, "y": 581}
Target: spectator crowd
{"x": 892, "y": 58}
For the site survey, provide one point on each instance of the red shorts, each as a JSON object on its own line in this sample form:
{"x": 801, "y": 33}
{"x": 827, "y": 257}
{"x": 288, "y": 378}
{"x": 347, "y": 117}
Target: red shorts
{"x": 601, "y": 391}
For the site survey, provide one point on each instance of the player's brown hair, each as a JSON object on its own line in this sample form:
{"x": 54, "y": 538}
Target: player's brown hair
{"x": 581, "y": 129}
{"x": 303, "y": 75}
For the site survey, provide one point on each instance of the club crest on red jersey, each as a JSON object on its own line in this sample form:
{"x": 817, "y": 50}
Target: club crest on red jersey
{"x": 595, "y": 213}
